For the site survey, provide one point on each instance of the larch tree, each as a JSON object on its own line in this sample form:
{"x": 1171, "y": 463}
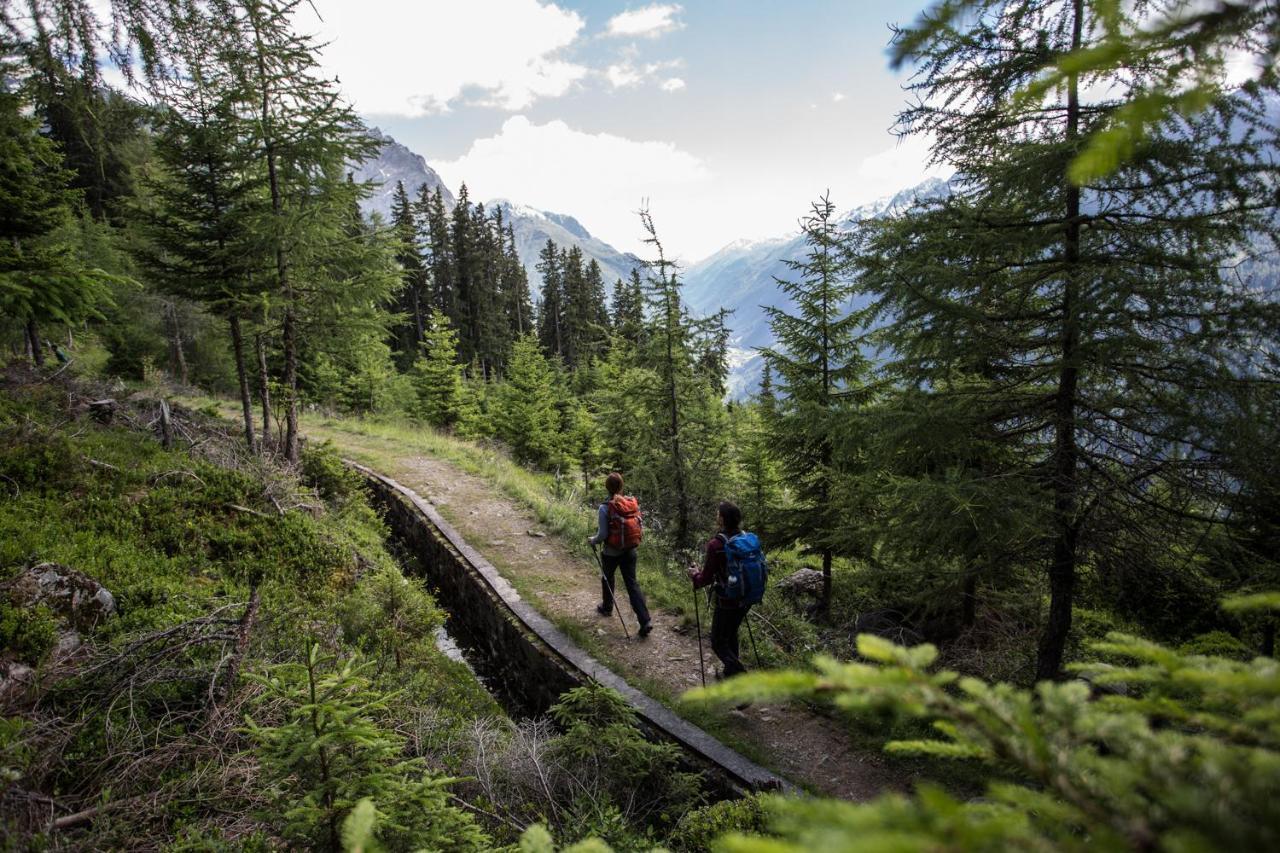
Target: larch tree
{"x": 1097, "y": 308}
{"x": 305, "y": 135}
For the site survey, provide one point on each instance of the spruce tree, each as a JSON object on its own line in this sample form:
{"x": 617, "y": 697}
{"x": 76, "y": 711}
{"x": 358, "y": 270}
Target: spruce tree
{"x": 1096, "y": 309}
{"x": 515, "y": 288}
{"x": 439, "y": 257}
{"x": 413, "y": 300}
{"x": 331, "y": 751}
{"x": 628, "y": 309}
{"x": 199, "y": 216}
{"x": 551, "y": 316}
{"x": 437, "y": 375}
{"x": 41, "y": 280}
{"x": 526, "y": 412}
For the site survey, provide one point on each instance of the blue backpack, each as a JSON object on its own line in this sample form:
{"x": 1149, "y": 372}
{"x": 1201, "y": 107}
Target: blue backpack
{"x": 746, "y": 571}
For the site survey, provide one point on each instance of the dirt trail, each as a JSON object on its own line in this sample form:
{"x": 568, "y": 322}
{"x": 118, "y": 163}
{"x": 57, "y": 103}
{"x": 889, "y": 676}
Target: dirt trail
{"x": 803, "y": 746}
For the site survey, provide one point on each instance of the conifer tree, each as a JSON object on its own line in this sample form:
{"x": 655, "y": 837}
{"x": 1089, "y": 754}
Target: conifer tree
{"x": 577, "y": 306}
{"x": 628, "y": 308}
{"x": 464, "y": 252}
{"x": 330, "y": 752}
{"x": 526, "y": 412}
{"x": 819, "y": 368}
{"x": 551, "y": 319}
{"x": 684, "y": 411}
{"x": 761, "y": 480}
{"x": 201, "y": 210}
{"x": 1087, "y": 304}
{"x": 305, "y": 134}
{"x": 40, "y": 278}
{"x": 413, "y": 295}
{"x": 435, "y": 225}
{"x": 438, "y": 375}
{"x": 515, "y": 288}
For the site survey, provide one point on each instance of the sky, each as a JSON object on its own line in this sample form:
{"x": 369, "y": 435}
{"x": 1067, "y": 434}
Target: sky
{"x": 726, "y": 117}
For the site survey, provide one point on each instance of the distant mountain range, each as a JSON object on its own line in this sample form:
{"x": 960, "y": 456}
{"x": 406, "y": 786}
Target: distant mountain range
{"x": 532, "y": 227}
{"x": 742, "y": 276}
{"x": 739, "y": 276}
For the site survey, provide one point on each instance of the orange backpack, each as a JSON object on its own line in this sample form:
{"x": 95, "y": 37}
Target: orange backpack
{"x": 624, "y": 522}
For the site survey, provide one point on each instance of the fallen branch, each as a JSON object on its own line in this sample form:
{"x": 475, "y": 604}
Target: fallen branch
{"x": 243, "y": 632}
{"x": 55, "y": 374}
{"x": 105, "y": 465}
{"x": 239, "y": 508}
{"x": 179, "y": 473}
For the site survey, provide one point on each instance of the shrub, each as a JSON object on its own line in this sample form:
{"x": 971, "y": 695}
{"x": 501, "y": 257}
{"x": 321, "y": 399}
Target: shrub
{"x": 27, "y": 632}
{"x": 322, "y": 469}
{"x": 1185, "y": 757}
{"x": 602, "y": 747}
{"x": 699, "y": 828}
{"x": 388, "y": 613}
{"x": 331, "y": 752}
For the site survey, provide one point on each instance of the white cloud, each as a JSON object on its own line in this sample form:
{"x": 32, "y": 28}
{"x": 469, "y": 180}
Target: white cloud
{"x": 672, "y": 84}
{"x": 837, "y": 97}
{"x": 627, "y": 73}
{"x": 414, "y": 59}
{"x": 599, "y": 178}
{"x": 623, "y": 74}
{"x": 646, "y": 22}
{"x": 903, "y": 165}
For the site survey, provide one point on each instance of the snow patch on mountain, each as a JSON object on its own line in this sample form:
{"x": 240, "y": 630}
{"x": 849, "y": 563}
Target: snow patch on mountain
{"x": 396, "y": 163}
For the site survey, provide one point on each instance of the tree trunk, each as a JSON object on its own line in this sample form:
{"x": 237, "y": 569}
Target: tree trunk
{"x": 417, "y": 317}
{"x": 246, "y": 402}
{"x": 33, "y": 340}
{"x": 264, "y": 388}
{"x": 290, "y": 379}
{"x": 824, "y": 605}
{"x": 289, "y": 332}
{"x": 166, "y": 426}
{"x": 179, "y": 357}
{"x": 1065, "y": 460}
{"x": 969, "y": 598}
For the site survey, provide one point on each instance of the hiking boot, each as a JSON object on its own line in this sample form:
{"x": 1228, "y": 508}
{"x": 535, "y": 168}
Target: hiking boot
{"x": 603, "y": 610}
{"x": 646, "y": 629}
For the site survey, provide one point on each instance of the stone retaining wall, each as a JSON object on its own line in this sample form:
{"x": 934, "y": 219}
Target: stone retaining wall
{"x": 526, "y": 661}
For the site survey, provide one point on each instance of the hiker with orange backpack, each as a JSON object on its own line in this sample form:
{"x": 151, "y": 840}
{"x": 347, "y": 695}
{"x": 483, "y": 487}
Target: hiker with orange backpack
{"x": 619, "y": 529}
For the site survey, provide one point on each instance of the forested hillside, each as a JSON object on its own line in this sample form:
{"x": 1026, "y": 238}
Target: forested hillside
{"x": 1012, "y": 455}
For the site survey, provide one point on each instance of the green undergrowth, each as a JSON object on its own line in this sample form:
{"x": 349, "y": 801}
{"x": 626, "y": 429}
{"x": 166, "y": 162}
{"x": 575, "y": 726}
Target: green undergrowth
{"x": 177, "y": 537}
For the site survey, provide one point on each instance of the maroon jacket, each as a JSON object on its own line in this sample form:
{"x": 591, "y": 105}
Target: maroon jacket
{"x": 714, "y": 567}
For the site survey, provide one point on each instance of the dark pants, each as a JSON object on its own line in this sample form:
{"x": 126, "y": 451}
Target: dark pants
{"x": 725, "y": 622}
{"x": 627, "y": 562}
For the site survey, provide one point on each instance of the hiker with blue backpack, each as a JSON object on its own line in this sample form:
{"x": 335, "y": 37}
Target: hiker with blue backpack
{"x": 735, "y": 567}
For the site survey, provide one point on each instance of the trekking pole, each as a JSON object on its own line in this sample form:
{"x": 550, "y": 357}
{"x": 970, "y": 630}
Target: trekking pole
{"x": 613, "y": 599}
{"x": 752, "y": 635}
{"x": 697, "y": 618}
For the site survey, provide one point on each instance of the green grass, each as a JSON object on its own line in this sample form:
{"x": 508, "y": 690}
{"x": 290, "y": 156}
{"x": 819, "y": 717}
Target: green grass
{"x": 175, "y": 537}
